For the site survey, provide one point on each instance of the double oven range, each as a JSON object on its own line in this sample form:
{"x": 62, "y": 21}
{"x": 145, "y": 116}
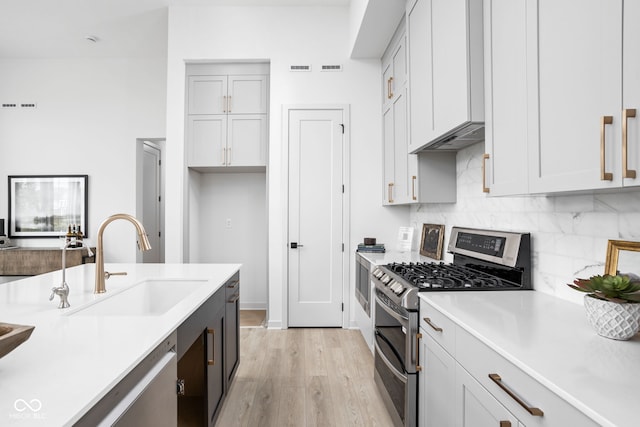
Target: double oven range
{"x": 483, "y": 260}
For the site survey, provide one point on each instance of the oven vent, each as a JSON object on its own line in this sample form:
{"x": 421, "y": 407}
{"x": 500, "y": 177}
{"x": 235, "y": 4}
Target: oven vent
{"x": 28, "y": 105}
{"x": 9, "y": 105}
{"x": 331, "y": 68}
{"x": 299, "y": 67}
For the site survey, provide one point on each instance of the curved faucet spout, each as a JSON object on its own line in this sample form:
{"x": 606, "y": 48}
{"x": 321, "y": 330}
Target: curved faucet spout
{"x": 143, "y": 245}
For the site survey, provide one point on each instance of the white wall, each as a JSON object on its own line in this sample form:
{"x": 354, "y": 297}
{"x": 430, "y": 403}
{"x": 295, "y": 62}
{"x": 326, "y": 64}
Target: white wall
{"x": 283, "y": 36}
{"x": 569, "y": 233}
{"x": 88, "y": 116}
{"x": 241, "y": 199}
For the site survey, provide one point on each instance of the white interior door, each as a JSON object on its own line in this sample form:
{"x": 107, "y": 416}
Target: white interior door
{"x": 315, "y": 217}
{"x": 151, "y": 203}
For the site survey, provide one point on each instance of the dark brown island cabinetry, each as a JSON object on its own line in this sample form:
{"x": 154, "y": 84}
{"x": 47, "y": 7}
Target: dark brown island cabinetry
{"x": 208, "y": 356}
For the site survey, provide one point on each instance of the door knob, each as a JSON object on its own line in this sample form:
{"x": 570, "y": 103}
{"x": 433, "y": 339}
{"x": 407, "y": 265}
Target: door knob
{"x": 295, "y": 245}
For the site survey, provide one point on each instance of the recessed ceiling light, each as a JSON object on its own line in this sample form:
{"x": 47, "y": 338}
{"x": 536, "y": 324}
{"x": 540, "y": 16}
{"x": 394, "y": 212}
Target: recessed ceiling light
{"x": 92, "y": 39}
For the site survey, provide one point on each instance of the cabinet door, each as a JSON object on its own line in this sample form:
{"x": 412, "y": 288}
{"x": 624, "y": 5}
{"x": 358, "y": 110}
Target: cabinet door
{"x": 401, "y": 188}
{"x": 506, "y": 136}
{"x": 232, "y": 329}
{"x": 399, "y": 64}
{"x": 579, "y": 83}
{"x": 207, "y": 136}
{"x": 631, "y": 90}
{"x": 247, "y": 95}
{"x": 207, "y": 94}
{"x": 247, "y": 143}
{"x": 437, "y": 384}
{"x": 388, "y": 155}
{"x": 215, "y": 364}
{"x": 475, "y": 406}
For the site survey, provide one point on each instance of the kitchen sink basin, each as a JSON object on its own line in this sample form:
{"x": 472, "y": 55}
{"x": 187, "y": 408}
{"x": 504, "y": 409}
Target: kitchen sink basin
{"x": 147, "y": 298}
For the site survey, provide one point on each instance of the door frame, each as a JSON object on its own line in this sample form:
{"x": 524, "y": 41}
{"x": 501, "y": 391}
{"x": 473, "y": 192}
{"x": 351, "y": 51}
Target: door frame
{"x": 346, "y": 208}
{"x": 160, "y": 144}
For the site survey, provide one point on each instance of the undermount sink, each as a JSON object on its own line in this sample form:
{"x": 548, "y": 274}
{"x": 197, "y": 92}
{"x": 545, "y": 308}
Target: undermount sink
{"x": 147, "y": 298}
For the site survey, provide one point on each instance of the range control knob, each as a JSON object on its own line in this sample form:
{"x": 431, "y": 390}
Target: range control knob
{"x": 386, "y": 279}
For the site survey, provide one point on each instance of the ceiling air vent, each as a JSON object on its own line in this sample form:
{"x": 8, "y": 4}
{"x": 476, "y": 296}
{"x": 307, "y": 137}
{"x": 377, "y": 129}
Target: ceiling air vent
{"x": 331, "y": 68}
{"x": 9, "y": 105}
{"x": 299, "y": 67}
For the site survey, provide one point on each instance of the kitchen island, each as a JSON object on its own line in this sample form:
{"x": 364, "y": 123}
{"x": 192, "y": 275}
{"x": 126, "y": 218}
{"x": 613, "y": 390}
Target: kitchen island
{"x": 75, "y": 356}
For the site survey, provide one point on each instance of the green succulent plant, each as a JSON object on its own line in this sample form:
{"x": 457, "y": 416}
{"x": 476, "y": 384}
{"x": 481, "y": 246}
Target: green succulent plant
{"x": 617, "y": 288}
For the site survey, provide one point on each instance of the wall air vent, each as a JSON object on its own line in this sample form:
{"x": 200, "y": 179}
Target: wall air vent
{"x": 9, "y": 105}
{"x": 331, "y": 68}
{"x": 299, "y": 67}
{"x": 28, "y": 105}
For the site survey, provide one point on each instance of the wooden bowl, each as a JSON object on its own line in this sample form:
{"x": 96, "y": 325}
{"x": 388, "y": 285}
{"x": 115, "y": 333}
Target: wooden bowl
{"x": 11, "y": 336}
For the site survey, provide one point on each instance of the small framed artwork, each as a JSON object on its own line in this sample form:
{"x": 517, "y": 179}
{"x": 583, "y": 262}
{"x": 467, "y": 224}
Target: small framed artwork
{"x": 432, "y": 240}
{"x": 620, "y": 258}
{"x": 45, "y": 205}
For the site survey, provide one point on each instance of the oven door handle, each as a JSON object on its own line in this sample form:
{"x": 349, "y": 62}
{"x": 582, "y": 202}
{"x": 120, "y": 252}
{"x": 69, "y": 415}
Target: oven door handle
{"x": 399, "y": 317}
{"x": 389, "y": 365}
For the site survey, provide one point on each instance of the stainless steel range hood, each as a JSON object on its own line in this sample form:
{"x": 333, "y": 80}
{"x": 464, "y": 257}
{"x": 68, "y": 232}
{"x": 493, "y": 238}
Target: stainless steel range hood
{"x": 458, "y": 138}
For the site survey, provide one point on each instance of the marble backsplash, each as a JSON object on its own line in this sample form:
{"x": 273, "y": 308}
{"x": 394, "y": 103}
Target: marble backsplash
{"x": 569, "y": 232}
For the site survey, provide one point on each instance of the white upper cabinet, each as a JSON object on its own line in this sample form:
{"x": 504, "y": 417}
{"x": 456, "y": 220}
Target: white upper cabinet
{"x": 631, "y": 94}
{"x": 445, "y": 69}
{"x": 506, "y": 133}
{"x": 577, "y": 134}
{"x": 227, "y": 120}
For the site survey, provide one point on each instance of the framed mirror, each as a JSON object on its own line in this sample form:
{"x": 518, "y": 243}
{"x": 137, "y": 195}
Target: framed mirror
{"x": 622, "y": 257}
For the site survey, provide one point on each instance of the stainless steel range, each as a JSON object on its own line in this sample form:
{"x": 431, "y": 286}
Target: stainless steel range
{"x": 483, "y": 260}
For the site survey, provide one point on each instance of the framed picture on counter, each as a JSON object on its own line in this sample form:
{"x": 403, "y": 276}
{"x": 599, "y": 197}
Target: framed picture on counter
{"x": 432, "y": 240}
{"x": 46, "y": 205}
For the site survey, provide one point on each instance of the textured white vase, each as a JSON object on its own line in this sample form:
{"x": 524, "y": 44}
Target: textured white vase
{"x": 613, "y": 320}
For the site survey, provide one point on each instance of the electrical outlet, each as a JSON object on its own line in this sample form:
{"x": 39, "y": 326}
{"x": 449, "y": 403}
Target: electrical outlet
{"x": 228, "y": 223}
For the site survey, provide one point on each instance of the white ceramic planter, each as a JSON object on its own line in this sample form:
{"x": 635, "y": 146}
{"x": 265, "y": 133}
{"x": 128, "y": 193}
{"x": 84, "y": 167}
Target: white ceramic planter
{"x": 613, "y": 320}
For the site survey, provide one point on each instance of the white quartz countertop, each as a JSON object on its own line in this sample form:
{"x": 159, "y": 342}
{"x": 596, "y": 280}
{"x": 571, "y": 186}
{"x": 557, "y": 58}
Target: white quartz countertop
{"x": 70, "y": 362}
{"x": 377, "y": 258}
{"x": 552, "y": 341}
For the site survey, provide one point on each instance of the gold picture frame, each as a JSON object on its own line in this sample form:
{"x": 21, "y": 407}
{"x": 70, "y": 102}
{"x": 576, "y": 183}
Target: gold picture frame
{"x": 613, "y": 251}
{"x": 432, "y": 240}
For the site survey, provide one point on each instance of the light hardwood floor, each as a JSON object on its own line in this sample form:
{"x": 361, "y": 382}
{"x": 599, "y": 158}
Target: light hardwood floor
{"x": 303, "y": 378}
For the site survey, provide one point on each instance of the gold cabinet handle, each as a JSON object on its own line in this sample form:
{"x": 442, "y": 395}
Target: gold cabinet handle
{"x": 435, "y": 328}
{"x": 234, "y": 298}
{"x": 626, "y": 172}
{"x": 390, "y": 191}
{"x": 604, "y": 176}
{"x": 229, "y": 104}
{"x": 228, "y": 156}
{"x": 413, "y": 187}
{"x": 224, "y": 104}
{"x": 212, "y": 332}
{"x": 390, "y": 87}
{"x": 485, "y": 189}
{"x": 533, "y": 411}
{"x": 233, "y": 284}
{"x": 418, "y": 338}
{"x": 224, "y": 156}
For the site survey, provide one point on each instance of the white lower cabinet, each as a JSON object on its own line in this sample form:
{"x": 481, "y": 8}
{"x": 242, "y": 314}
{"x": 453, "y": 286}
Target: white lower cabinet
{"x": 466, "y": 383}
{"x": 436, "y": 384}
{"x": 475, "y": 406}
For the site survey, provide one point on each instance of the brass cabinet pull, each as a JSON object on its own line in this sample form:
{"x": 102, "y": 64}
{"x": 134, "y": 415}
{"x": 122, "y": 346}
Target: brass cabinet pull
{"x": 626, "y": 172}
{"x": 533, "y": 411}
{"x": 604, "y": 176}
{"x": 224, "y": 104}
{"x": 435, "y": 328}
{"x": 229, "y": 104}
{"x": 413, "y": 187}
{"x": 233, "y": 284}
{"x": 390, "y": 190}
{"x": 213, "y": 346}
{"x": 485, "y": 189}
{"x": 224, "y": 156}
{"x": 505, "y": 423}
{"x": 390, "y": 87}
{"x": 234, "y": 298}
{"x": 418, "y": 337}
{"x": 228, "y": 156}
